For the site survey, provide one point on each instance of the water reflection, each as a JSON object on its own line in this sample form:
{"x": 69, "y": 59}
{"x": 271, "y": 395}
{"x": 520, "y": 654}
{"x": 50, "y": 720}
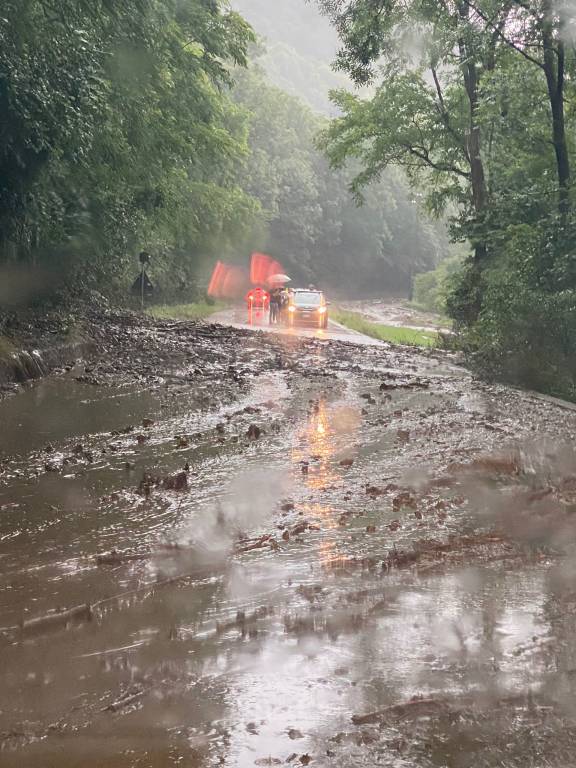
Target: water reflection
{"x": 316, "y": 445}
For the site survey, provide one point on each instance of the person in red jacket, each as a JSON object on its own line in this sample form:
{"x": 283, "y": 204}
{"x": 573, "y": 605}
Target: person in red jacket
{"x": 257, "y": 299}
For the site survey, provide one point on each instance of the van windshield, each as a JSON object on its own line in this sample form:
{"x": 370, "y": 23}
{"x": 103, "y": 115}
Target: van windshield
{"x": 308, "y": 297}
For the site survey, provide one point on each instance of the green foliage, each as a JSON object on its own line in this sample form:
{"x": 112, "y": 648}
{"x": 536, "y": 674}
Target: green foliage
{"x": 315, "y": 228}
{"x": 120, "y": 131}
{"x": 394, "y": 334}
{"x": 526, "y": 332}
{"x": 432, "y": 289}
{"x": 480, "y": 115}
{"x": 118, "y": 134}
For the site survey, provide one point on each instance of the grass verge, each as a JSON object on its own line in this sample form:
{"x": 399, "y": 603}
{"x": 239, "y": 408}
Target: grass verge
{"x": 196, "y": 311}
{"x": 391, "y": 333}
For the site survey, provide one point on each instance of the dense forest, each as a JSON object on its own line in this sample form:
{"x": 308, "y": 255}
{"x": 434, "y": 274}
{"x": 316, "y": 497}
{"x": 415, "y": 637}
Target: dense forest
{"x": 151, "y": 124}
{"x": 474, "y": 99}
{"x": 300, "y": 46}
{"x": 314, "y": 226}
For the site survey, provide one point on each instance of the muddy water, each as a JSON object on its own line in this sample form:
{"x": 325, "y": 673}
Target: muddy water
{"x": 209, "y": 655}
{"x": 397, "y": 313}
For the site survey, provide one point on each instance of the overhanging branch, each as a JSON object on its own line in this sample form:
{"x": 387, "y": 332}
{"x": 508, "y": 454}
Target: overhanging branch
{"x": 502, "y": 36}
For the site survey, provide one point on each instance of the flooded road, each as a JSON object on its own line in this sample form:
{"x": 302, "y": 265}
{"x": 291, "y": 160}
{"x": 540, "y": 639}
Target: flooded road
{"x": 350, "y": 555}
{"x": 399, "y": 313}
{"x": 257, "y": 319}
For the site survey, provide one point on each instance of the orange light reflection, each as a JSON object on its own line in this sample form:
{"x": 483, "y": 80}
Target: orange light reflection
{"x": 316, "y": 444}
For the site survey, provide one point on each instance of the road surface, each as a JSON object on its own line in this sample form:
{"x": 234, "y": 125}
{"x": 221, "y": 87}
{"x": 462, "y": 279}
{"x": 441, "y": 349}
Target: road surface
{"x": 238, "y": 317}
{"x": 226, "y": 548}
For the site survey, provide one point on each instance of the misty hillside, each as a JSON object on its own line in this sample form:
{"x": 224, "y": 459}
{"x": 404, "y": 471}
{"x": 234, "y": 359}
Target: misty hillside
{"x": 314, "y": 226}
{"x": 300, "y": 46}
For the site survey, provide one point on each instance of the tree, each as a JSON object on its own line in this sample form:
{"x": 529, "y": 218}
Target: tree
{"x": 536, "y": 30}
{"x": 424, "y": 116}
{"x": 118, "y": 132}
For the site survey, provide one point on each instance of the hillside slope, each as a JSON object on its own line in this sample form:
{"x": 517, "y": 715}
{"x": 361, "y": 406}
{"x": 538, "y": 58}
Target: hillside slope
{"x": 300, "y": 46}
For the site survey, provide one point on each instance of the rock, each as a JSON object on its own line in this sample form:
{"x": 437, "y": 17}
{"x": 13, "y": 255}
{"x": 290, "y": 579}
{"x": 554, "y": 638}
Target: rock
{"x": 88, "y": 380}
{"x": 123, "y": 431}
{"x": 141, "y": 439}
{"x": 300, "y": 528}
{"x": 177, "y": 482}
{"x": 254, "y": 432}
{"x": 404, "y": 499}
{"x": 146, "y": 484}
{"x": 370, "y": 529}
{"x": 346, "y": 462}
{"x": 146, "y": 423}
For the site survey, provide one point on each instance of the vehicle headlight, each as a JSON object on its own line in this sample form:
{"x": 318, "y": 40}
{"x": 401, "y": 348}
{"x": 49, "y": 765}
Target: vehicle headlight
{"x": 291, "y": 309}
{"x": 322, "y": 310}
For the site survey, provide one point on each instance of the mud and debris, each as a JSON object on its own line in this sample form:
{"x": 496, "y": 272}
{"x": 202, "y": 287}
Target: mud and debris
{"x": 228, "y": 547}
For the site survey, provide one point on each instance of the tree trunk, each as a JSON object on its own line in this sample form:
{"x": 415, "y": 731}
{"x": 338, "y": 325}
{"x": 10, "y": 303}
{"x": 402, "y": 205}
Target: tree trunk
{"x": 554, "y": 71}
{"x": 476, "y": 168}
{"x": 478, "y": 177}
{"x": 470, "y": 75}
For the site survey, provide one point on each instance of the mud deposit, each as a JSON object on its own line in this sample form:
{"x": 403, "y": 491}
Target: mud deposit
{"x": 221, "y": 547}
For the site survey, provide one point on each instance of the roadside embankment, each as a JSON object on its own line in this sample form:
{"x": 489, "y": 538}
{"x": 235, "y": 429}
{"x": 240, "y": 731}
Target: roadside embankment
{"x": 32, "y": 345}
{"x": 18, "y": 366}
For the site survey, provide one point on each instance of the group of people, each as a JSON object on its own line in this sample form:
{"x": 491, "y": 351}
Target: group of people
{"x": 279, "y": 299}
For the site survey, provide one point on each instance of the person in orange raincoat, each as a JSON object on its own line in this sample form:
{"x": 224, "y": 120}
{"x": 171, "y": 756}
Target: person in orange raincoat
{"x": 257, "y": 298}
